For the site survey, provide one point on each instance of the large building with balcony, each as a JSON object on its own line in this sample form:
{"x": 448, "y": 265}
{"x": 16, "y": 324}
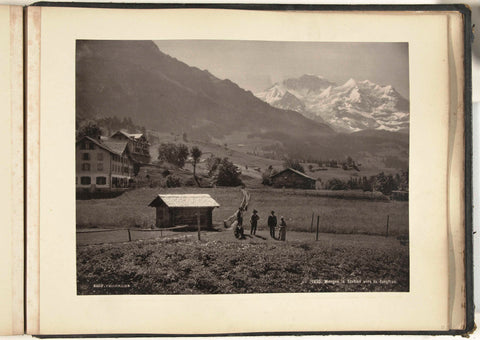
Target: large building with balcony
{"x": 138, "y": 145}
{"x": 102, "y": 165}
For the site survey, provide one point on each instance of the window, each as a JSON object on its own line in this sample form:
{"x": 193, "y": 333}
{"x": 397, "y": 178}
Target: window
{"x": 100, "y": 167}
{"x": 86, "y": 167}
{"x": 85, "y": 180}
{"x": 83, "y": 146}
{"x": 86, "y": 156}
{"x": 99, "y": 156}
{"x": 91, "y": 146}
{"x": 101, "y": 180}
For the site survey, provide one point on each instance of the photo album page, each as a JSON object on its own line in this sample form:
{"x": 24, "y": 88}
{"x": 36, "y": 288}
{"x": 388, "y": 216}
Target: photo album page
{"x": 219, "y": 171}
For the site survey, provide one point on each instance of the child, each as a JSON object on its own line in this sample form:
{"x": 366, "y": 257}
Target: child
{"x": 283, "y": 229}
{"x": 253, "y": 222}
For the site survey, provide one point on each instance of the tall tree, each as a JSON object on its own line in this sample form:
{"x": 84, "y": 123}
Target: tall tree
{"x": 196, "y": 153}
{"x": 91, "y": 130}
{"x": 173, "y": 153}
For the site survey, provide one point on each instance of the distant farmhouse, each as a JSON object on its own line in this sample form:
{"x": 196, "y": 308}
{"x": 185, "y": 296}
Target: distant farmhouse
{"x": 137, "y": 144}
{"x": 290, "y": 178}
{"x": 176, "y": 210}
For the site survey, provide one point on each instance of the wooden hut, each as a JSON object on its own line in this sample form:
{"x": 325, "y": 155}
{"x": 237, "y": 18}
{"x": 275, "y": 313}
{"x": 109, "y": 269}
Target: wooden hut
{"x": 176, "y": 210}
{"x": 291, "y": 178}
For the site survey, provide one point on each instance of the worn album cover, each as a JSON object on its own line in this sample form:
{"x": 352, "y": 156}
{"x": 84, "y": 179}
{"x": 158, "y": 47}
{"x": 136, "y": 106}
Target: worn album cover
{"x": 197, "y": 164}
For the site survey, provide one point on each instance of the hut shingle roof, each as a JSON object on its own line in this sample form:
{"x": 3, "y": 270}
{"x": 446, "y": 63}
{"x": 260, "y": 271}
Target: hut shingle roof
{"x": 185, "y": 201}
{"x": 293, "y": 170}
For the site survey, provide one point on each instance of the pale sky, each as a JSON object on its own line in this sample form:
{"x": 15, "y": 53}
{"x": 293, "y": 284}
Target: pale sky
{"x": 257, "y": 65}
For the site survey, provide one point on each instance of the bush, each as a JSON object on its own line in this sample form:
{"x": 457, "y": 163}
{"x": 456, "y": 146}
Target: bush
{"x": 212, "y": 164}
{"x": 173, "y": 181}
{"x": 228, "y": 174}
{"x": 381, "y": 182}
{"x": 385, "y": 184}
{"x": 336, "y": 184}
{"x": 190, "y": 182}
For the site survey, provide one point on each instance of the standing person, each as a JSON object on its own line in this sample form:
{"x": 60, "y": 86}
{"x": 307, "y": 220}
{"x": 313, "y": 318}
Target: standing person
{"x": 239, "y": 232}
{"x": 240, "y": 217}
{"x": 272, "y": 223}
{"x": 253, "y": 222}
{"x": 283, "y": 229}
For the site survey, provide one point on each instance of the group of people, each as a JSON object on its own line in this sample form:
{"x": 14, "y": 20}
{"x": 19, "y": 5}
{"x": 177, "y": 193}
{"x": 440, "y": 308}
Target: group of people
{"x": 272, "y": 225}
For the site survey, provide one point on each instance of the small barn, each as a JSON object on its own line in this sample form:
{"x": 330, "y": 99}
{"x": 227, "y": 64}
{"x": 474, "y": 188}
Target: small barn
{"x": 291, "y": 178}
{"x": 176, "y": 210}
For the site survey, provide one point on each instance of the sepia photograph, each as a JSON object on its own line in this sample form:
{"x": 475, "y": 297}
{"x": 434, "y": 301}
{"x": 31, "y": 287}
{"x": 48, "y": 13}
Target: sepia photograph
{"x": 239, "y": 167}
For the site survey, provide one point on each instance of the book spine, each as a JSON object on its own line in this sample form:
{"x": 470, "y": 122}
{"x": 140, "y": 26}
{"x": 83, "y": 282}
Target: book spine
{"x": 11, "y": 171}
{"x": 17, "y": 164}
{"x": 456, "y": 174}
{"x": 33, "y": 33}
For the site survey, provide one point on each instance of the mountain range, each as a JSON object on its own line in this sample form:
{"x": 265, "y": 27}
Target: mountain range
{"x": 352, "y": 106}
{"x": 134, "y": 79}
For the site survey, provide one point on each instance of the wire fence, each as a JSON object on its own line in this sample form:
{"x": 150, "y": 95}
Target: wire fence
{"x": 88, "y": 237}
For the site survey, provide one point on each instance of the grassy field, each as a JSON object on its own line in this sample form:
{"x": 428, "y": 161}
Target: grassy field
{"x": 349, "y": 256}
{"x": 220, "y": 264}
{"x": 344, "y": 216}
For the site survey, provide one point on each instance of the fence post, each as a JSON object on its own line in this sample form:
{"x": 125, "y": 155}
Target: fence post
{"x": 318, "y": 222}
{"x": 198, "y": 224}
{"x": 388, "y": 218}
{"x": 311, "y": 225}
{"x": 129, "y": 236}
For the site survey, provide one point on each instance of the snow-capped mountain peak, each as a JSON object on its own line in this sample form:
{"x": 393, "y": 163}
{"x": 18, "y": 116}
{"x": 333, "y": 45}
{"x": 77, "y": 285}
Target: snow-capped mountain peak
{"x": 274, "y": 93}
{"x": 353, "y": 106}
{"x": 349, "y": 83}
